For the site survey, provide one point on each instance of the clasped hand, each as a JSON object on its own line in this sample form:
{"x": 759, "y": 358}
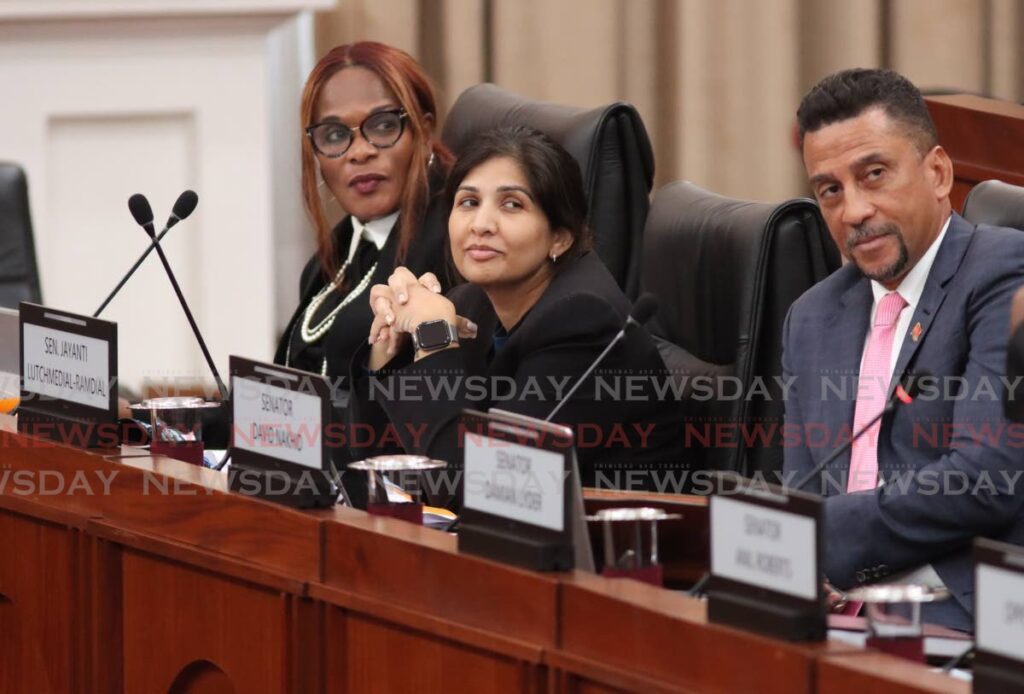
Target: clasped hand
{"x": 400, "y": 306}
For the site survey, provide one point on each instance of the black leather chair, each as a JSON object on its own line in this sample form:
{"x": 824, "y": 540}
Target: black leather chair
{"x": 19, "y": 274}
{"x": 995, "y": 203}
{"x": 612, "y": 148}
{"x": 725, "y": 272}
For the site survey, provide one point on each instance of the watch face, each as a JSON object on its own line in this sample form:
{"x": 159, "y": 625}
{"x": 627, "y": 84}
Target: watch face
{"x": 433, "y": 334}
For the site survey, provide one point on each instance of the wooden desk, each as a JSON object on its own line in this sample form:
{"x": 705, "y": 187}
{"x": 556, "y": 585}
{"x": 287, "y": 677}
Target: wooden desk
{"x": 634, "y": 636}
{"x": 984, "y": 137}
{"x": 880, "y": 674}
{"x": 170, "y": 583}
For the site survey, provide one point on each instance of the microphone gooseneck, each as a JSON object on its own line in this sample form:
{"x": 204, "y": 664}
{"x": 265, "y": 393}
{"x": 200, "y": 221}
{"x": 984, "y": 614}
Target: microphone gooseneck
{"x": 139, "y": 206}
{"x": 902, "y": 395}
{"x": 643, "y": 309}
{"x": 174, "y": 284}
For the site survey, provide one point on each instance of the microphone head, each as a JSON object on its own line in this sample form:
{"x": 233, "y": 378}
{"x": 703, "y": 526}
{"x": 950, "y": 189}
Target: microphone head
{"x": 138, "y": 205}
{"x": 183, "y": 207}
{"x": 644, "y": 308}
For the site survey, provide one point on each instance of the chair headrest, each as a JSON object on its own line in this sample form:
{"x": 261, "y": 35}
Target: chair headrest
{"x": 995, "y": 203}
{"x": 487, "y": 106}
{"x": 719, "y": 253}
{"x": 609, "y": 143}
{"x": 15, "y": 224}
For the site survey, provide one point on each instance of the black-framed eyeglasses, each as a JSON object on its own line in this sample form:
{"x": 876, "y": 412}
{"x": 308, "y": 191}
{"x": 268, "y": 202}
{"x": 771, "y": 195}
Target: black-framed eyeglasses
{"x": 381, "y": 129}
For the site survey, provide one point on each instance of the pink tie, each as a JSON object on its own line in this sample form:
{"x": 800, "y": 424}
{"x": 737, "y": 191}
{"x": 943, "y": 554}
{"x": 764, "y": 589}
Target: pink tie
{"x": 871, "y": 390}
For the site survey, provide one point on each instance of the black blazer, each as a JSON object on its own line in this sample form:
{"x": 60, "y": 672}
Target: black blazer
{"x": 554, "y": 343}
{"x": 352, "y": 324}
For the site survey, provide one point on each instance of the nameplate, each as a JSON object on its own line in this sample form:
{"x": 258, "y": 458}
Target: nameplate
{"x": 66, "y": 366}
{"x": 521, "y": 501}
{"x": 998, "y": 615}
{"x": 281, "y": 424}
{"x": 765, "y": 557}
{"x": 278, "y": 423}
{"x": 763, "y": 547}
{"x": 68, "y": 376}
{"x": 999, "y": 605}
{"x": 516, "y": 482}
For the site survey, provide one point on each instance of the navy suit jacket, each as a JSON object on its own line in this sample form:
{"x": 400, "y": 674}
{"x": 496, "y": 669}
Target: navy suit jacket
{"x": 953, "y": 466}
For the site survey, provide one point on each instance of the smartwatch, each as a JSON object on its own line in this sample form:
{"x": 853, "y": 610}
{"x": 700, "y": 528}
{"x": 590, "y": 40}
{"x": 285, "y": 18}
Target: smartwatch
{"x": 433, "y": 335}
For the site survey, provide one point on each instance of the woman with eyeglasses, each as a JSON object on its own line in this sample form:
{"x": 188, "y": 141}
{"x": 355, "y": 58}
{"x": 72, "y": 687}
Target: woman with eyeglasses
{"x": 371, "y": 120}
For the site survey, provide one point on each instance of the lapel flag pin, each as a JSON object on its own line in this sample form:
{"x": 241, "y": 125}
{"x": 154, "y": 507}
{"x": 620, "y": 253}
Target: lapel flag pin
{"x": 915, "y": 333}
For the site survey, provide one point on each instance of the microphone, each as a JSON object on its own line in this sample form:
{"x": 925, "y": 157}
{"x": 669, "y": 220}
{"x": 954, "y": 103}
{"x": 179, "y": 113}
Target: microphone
{"x": 138, "y": 205}
{"x": 643, "y": 309}
{"x": 143, "y": 214}
{"x": 183, "y": 207}
{"x": 900, "y": 396}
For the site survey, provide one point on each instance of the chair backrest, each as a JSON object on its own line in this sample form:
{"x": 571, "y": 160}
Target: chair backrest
{"x": 611, "y": 146}
{"x": 996, "y": 203}
{"x": 19, "y": 275}
{"x": 726, "y": 272}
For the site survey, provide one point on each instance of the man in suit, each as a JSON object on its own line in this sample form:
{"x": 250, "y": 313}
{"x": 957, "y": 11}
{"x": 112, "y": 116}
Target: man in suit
{"x": 924, "y": 292}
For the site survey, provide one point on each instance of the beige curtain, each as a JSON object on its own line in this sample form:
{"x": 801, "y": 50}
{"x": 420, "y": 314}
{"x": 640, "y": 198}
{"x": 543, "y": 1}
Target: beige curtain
{"x": 717, "y": 82}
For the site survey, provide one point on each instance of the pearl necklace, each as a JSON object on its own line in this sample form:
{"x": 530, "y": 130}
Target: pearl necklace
{"x": 310, "y": 333}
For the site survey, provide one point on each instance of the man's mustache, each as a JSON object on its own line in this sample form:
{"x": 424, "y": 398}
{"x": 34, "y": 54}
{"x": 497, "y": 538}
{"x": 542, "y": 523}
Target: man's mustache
{"x": 865, "y": 232}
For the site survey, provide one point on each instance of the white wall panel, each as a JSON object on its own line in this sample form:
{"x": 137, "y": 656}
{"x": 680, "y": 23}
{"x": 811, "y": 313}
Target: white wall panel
{"x": 101, "y": 107}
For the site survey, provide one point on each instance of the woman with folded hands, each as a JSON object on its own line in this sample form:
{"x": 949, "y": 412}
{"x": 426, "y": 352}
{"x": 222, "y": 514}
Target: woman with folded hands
{"x": 536, "y": 307}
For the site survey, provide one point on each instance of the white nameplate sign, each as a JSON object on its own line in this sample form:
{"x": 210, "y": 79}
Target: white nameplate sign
{"x": 764, "y": 547}
{"x": 999, "y": 611}
{"x": 65, "y": 366}
{"x": 517, "y": 482}
{"x": 277, "y": 422}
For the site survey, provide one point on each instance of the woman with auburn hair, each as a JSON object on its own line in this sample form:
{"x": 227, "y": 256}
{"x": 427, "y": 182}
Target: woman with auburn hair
{"x": 370, "y": 120}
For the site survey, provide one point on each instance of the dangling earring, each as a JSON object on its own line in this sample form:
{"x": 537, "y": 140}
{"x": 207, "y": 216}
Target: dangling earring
{"x": 430, "y": 162}
{"x": 554, "y": 257}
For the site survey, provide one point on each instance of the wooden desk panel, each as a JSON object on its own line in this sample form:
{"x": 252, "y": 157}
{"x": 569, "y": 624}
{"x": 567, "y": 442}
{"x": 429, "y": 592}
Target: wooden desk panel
{"x": 183, "y": 625}
{"x": 39, "y": 619}
{"x": 395, "y": 562}
{"x": 984, "y": 137}
{"x": 380, "y": 657}
{"x": 635, "y": 627}
{"x": 169, "y": 498}
{"x": 882, "y": 674}
{"x": 129, "y": 591}
{"x": 410, "y": 612}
